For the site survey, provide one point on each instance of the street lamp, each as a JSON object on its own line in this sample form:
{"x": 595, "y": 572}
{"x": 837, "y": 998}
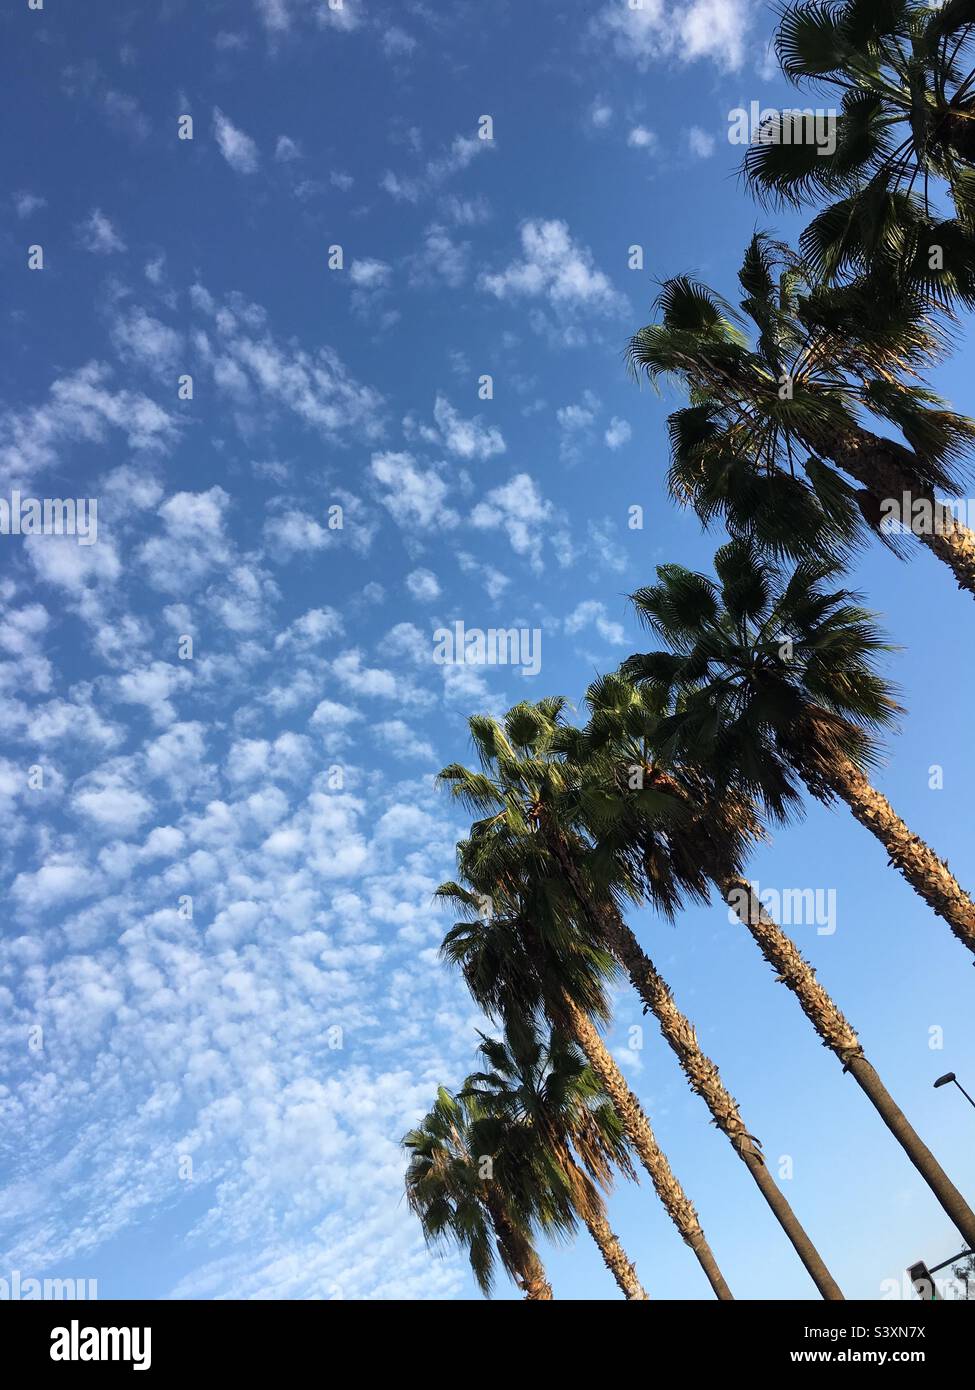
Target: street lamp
{"x": 950, "y": 1076}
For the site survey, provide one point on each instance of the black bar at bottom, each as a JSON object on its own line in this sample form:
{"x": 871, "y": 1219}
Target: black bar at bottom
{"x": 335, "y": 1339}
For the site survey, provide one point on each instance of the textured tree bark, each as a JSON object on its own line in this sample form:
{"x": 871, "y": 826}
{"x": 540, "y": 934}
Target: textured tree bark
{"x": 678, "y": 1205}
{"x": 928, "y": 875}
{"x": 614, "y": 1258}
{"x": 702, "y": 1074}
{"x": 837, "y": 1034}
{"x": 705, "y": 1079}
{"x": 888, "y": 470}
{"x": 593, "y": 1213}
{"x": 536, "y": 1286}
{"x": 520, "y": 1257}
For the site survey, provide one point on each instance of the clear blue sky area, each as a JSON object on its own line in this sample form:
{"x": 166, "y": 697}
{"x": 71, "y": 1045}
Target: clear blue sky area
{"x": 210, "y": 1105}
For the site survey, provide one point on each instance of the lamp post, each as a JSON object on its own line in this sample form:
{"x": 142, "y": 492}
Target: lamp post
{"x": 920, "y": 1276}
{"x": 950, "y": 1076}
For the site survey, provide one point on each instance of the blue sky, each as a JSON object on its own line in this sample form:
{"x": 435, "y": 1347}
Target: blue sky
{"x": 184, "y": 1124}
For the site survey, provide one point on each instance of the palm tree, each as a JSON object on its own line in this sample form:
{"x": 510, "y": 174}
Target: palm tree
{"x": 907, "y": 104}
{"x": 452, "y": 1185}
{"x": 524, "y": 960}
{"x": 525, "y": 791}
{"x": 776, "y": 682}
{"x": 627, "y": 735}
{"x": 889, "y": 241}
{"x": 761, "y": 413}
{"x": 551, "y": 1093}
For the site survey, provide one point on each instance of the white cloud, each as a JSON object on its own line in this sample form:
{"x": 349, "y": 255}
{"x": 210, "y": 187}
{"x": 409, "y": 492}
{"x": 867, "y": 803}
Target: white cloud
{"x": 465, "y": 212}
{"x": 414, "y": 496}
{"x": 423, "y": 585}
{"x": 344, "y": 17}
{"x": 178, "y": 758}
{"x": 197, "y": 516}
{"x": 375, "y": 682}
{"x": 286, "y": 150}
{"x": 237, "y": 148}
{"x": 139, "y": 335}
{"x": 600, "y": 114}
{"x": 363, "y": 680}
{"x": 493, "y": 580}
{"x": 604, "y": 546}
{"x": 701, "y": 143}
{"x": 461, "y": 152}
{"x": 152, "y": 686}
{"x": 81, "y": 407}
{"x": 556, "y": 269}
{"x": 576, "y": 427}
{"x": 242, "y": 597}
{"x": 640, "y": 138}
{"x": 61, "y": 879}
{"x": 110, "y": 803}
{"x": 618, "y": 433}
{"x": 592, "y": 613}
{"x": 60, "y": 560}
{"x": 519, "y": 509}
{"x": 370, "y": 274}
{"x": 403, "y": 822}
{"x": 293, "y": 532}
{"x": 402, "y": 741}
{"x": 329, "y": 715}
{"x": 442, "y": 260}
{"x": 397, "y": 43}
{"x": 655, "y": 30}
{"x": 256, "y": 371}
{"x": 465, "y": 439}
{"x": 254, "y": 759}
{"x": 311, "y": 629}
{"x": 99, "y": 236}
{"x": 26, "y": 203}
{"x": 279, "y": 15}
{"x": 193, "y": 541}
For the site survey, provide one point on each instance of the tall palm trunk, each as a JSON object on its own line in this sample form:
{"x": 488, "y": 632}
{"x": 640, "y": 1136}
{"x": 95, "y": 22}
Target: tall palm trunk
{"x": 836, "y": 1033}
{"x": 592, "y": 1210}
{"x": 928, "y": 875}
{"x": 888, "y": 470}
{"x": 702, "y": 1074}
{"x": 614, "y": 1258}
{"x": 519, "y": 1256}
{"x": 678, "y": 1205}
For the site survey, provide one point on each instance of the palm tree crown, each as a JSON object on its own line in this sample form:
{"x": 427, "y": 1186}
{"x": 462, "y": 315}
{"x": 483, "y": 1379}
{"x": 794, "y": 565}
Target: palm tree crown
{"x": 548, "y": 1093}
{"x": 765, "y": 676}
{"x": 771, "y": 679}
{"x": 769, "y": 408}
{"x": 907, "y": 99}
{"x": 477, "y": 1183}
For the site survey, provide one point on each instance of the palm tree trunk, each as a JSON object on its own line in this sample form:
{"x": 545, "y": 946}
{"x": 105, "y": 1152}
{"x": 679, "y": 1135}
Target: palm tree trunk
{"x": 592, "y": 1210}
{"x": 677, "y": 1204}
{"x": 836, "y": 1033}
{"x": 533, "y": 1281}
{"x": 519, "y": 1256}
{"x": 888, "y": 470}
{"x": 928, "y": 875}
{"x": 705, "y": 1079}
{"x": 614, "y": 1258}
{"x": 702, "y": 1074}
